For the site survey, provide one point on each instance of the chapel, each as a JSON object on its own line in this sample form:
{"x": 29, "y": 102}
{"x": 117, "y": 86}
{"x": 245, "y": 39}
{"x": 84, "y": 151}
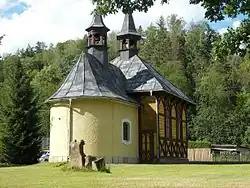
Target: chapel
{"x": 123, "y": 109}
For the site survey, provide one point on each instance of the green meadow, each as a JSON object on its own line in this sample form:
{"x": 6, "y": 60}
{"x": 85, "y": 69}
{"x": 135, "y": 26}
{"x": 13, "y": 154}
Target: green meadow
{"x": 47, "y": 175}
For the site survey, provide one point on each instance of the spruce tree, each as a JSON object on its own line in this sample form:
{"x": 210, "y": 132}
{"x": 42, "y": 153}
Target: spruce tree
{"x": 20, "y": 131}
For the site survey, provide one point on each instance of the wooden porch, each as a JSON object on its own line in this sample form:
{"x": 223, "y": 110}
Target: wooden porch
{"x": 162, "y": 129}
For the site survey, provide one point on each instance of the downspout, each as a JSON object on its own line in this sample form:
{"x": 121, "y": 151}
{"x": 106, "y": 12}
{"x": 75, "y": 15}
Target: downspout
{"x": 157, "y": 125}
{"x": 69, "y": 129}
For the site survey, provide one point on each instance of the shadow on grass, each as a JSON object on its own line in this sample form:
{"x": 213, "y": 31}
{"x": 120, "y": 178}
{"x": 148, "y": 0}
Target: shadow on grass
{"x": 6, "y": 165}
{"x": 219, "y": 162}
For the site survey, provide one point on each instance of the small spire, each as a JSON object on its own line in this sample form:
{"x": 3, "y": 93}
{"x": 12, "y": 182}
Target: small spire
{"x": 97, "y": 22}
{"x": 128, "y": 38}
{"x": 128, "y": 27}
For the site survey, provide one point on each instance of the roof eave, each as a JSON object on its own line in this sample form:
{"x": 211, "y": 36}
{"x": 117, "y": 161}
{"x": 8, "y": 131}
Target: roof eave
{"x": 146, "y": 91}
{"x": 55, "y": 100}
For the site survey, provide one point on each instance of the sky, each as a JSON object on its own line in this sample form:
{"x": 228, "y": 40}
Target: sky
{"x": 27, "y": 21}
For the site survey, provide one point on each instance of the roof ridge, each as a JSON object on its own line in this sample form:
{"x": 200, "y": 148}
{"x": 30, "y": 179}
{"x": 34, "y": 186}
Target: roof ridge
{"x": 160, "y": 83}
{"x": 106, "y": 86}
{"x": 83, "y": 85}
{"x": 163, "y": 77}
{"x": 64, "y": 82}
{"x": 77, "y": 66}
{"x": 91, "y": 68}
{"x": 115, "y": 91}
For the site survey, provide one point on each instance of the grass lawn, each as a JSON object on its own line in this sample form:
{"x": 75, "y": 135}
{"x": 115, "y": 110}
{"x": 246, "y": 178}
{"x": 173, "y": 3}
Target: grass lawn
{"x": 45, "y": 175}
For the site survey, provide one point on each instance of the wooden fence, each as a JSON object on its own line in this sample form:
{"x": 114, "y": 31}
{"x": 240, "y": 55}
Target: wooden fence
{"x": 199, "y": 154}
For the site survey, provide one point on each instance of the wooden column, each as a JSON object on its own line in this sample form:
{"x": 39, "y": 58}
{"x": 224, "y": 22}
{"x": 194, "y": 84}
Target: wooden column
{"x": 179, "y": 121}
{"x": 168, "y": 118}
{"x": 181, "y": 124}
{"x": 139, "y": 129}
{"x": 165, "y": 118}
{"x": 157, "y": 128}
{"x": 186, "y": 109}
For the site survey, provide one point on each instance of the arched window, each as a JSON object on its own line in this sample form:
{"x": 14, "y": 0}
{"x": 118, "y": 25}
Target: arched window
{"x": 132, "y": 44}
{"x": 161, "y": 119}
{"x": 126, "y": 131}
{"x": 96, "y": 38}
{"x": 173, "y": 122}
{"x": 168, "y": 119}
{"x": 125, "y": 45}
{"x": 184, "y": 123}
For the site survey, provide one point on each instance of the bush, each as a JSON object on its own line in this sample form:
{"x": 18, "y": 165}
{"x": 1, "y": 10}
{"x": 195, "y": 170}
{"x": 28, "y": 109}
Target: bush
{"x": 199, "y": 144}
{"x": 9, "y": 165}
{"x": 230, "y": 157}
{"x": 65, "y": 166}
{"x": 226, "y": 156}
{"x": 106, "y": 169}
{"x": 4, "y": 165}
{"x": 1, "y": 158}
{"x": 58, "y": 164}
{"x": 45, "y": 148}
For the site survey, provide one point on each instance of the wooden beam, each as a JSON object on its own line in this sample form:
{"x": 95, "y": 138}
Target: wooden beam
{"x": 186, "y": 109}
{"x": 139, "y": 129}
{"x": 181, "y": 124}
{"x": 157, "y": 128}
{"x": 165, "y": 117}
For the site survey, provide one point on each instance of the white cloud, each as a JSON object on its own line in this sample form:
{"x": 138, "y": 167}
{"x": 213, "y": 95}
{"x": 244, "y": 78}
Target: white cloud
{"x": 236, "y": 24}
{"x": 3, "y": 3}
{"x": 60, "y": 20}
{"x": 222, "y": 30}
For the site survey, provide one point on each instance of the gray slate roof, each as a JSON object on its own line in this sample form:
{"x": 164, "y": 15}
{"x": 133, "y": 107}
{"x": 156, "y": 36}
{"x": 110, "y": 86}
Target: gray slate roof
{"x": 142, "y": 77}
{"x": 97, "y": 22}
{"x": 89, "y": 78}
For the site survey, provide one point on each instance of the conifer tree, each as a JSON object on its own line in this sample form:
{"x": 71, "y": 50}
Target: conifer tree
{"x": 20, "y": 136}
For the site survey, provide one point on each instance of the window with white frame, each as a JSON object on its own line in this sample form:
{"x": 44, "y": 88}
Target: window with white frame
{"x": 126, "y": 131}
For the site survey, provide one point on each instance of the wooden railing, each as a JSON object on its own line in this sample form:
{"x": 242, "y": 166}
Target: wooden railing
{"x": 173, "y": 148}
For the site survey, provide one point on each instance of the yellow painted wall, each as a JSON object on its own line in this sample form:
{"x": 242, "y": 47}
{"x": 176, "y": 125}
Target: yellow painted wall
{"x": 99, "y": 123}
{"x": 161, "y": 120}
{"x": 149, "y": 116}
{"x": 184, "y": 124}
{"x": 59, "y": 130}
{"x": 174, "y": 122}
{"x": 131, "y": 113}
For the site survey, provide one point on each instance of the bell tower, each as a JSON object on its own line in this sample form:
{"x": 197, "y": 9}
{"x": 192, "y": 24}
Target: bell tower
{"x": 128, "y": 38}
{"x": 97, "y": 39}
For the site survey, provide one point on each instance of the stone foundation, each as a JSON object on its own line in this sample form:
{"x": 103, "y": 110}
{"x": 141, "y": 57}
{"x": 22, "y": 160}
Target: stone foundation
{"x": 122, "y": 160}
{"x": 55, "y": 159}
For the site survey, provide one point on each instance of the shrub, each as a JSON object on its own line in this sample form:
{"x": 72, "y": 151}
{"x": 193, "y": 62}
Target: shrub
{"x": 65, "y": 166}
{"x": 106, "y": 169}
{"x": 199, "y": 144}
{"x": 59, "y": 164}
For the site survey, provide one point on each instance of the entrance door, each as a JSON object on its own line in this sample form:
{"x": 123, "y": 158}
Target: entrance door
{"x": 147, "y": 143}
